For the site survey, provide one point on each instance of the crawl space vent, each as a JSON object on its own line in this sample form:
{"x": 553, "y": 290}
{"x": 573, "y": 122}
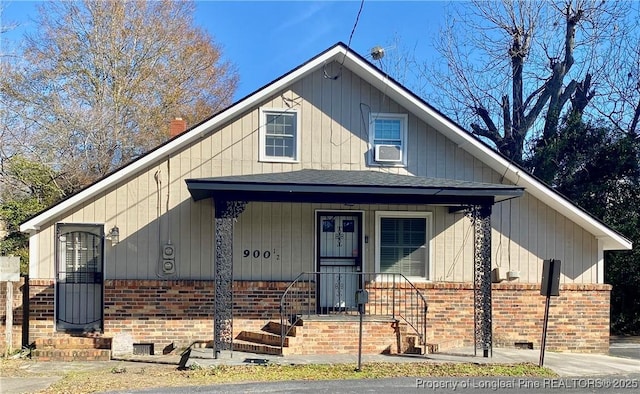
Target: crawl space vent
{"x": 143, "y": 349}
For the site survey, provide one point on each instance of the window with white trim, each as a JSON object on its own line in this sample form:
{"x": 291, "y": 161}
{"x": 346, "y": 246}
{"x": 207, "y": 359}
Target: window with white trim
{"x": 402, "y": 243}
{"x": 279, "y": 139}
{"x": 388, "y": 139}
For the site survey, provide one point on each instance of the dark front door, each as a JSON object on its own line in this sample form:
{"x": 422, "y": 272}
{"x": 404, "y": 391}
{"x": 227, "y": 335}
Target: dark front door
{"x": 339, "y": 259}
{"x": 80, "y": 251}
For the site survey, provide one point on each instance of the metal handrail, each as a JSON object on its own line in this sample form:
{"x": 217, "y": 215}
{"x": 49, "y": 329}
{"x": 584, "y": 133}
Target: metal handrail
{"x": 285, "y": 321}
{"x": 389, "y": 295}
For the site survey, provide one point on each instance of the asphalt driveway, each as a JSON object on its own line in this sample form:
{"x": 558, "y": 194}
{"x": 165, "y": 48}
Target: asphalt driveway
{"x": 627, "y": 347}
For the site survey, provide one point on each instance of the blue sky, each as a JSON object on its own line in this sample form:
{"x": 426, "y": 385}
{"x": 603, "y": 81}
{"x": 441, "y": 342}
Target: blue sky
{"x": 266, "y": 39}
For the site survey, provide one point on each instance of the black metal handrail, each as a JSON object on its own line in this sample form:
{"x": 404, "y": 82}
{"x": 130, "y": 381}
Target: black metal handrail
{"x": 389, "y": 295}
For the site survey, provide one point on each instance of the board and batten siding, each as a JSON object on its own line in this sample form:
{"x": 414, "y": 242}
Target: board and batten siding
{"x": 154, "y": 207}
{"x": 287, "y": 231}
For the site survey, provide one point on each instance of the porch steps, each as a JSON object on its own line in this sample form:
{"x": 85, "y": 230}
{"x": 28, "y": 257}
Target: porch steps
{"x": 71, "y": 354}
{"x": 78, "y": 348}
{"x": 444, "y": 346}
{"x": 413, "y": 346}
{"x": 276, "y": 328}
{"x": 262, "y": 338}
{"x": 251, "y": 347}
{"x": 265, "y": 342}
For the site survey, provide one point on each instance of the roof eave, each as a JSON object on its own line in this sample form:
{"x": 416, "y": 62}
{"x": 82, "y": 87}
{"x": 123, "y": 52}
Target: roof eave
{"x": 610, "y": 239}
{"x": 199, "y": 131}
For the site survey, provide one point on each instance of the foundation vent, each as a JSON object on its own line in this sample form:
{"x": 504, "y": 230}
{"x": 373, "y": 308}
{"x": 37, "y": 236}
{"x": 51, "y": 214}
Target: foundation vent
{"x": 143, "y": 349}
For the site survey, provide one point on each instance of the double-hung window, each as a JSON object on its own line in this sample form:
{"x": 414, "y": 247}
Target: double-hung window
{"x": 279, "y": 138}
{"x": 388, "y": 139}
{"x": 402, "y": 243}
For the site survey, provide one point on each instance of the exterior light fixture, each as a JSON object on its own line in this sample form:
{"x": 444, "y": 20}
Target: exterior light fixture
{"x": 114, "y": 235}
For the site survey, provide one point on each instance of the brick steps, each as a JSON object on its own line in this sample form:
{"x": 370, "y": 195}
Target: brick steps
{"x": 267, "y": 341}
{"x": 74, "y": 343}
{"x": 252, "y": 347}
{"x": 276, "y": 328}
{"x": 444, "y": 346}
{"x": 412, "y": 344}
{"x": 262, "y": 338}
{"x": 70, "y": 348}
{"x": 71, "y": 354}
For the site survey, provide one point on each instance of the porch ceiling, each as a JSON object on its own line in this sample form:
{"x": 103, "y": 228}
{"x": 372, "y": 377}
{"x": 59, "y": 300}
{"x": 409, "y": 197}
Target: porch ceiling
{"x": 336, "y": 186}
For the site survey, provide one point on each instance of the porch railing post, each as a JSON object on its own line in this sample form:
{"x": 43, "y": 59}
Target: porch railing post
{"x": 393, "y": 296}
{"x": 480, "y": 216}
{"x": 225, "y": 214}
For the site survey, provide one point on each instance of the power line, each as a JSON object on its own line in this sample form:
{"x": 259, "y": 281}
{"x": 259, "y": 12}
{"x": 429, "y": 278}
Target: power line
{"x": 353, "y": 30}
{"x": 355, "y": 24}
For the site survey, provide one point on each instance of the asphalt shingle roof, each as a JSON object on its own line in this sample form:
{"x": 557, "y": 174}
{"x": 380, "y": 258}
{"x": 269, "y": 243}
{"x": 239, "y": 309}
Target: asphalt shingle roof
{"x": 350, "y": 185}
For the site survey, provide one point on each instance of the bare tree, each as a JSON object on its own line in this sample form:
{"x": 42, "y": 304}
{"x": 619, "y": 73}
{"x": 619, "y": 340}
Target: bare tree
{"x": 99, "y": 81}
{"x": 510, "y": 69}
{"x": 620, "y": 98}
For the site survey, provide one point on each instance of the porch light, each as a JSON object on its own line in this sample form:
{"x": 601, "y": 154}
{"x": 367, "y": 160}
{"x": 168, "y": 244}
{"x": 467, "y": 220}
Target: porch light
{"x": 114, "y": 235}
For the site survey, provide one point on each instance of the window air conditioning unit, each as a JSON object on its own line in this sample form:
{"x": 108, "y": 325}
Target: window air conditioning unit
{"x": 388, "y": 153}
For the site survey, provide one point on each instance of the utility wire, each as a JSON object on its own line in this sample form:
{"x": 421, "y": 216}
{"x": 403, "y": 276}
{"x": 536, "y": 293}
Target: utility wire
{"x": 355, "y": 24}
{"x": 353, "y": 30}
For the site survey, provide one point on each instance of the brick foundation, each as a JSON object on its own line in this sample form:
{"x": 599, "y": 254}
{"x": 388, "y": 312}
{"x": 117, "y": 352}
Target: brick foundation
{"x": 163, "y": 312}
{"x": 159, "y": 311}
{"x": 41, "y": 308}
{"x": 578, "y": 318}
{"x": 257, "y": 299}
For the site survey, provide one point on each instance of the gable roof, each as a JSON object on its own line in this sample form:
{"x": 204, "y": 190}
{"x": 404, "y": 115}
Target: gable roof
{"x": 610, "y": 239}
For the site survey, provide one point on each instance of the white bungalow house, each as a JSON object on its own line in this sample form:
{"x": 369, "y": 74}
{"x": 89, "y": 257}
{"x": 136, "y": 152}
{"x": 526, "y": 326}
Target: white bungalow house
{"x": 256, "y": 228}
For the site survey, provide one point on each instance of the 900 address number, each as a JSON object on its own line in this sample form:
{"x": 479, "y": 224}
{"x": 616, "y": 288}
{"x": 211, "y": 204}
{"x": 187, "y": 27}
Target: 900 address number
{"x": 258, "y": 253}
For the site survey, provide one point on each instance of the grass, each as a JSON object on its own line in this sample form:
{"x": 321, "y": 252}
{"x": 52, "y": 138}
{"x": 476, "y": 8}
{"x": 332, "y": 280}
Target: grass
{"x": 131, "y": 377}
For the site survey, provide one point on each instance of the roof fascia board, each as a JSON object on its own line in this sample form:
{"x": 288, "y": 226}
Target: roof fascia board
{"x": 182, "y": 140}
{"x": 344, "y": 189}
{"x": 611, "y": 240}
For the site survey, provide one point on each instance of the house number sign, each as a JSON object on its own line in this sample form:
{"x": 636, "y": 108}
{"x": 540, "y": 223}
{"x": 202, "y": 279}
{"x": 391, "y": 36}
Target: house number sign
{"x": 258, "y": 253}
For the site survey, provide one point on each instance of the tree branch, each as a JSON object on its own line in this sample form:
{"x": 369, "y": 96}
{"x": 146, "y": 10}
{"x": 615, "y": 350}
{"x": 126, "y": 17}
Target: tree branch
{"x": 537, "y": 108}
{"x": 567, "y": 93}
{"x": 486, "y": 118}
{"x": 491, "y": 132}
{"x": 582, "y": 96}
{"x": 636, "y": 119}
{"x": 506, "y": 116}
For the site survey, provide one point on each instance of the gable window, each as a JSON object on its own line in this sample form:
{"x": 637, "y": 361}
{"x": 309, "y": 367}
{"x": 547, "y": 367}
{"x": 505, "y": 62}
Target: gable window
{"x": 402, "y": 245}
{"x": 279, "y": 139}
{"x": 388, "y": 139}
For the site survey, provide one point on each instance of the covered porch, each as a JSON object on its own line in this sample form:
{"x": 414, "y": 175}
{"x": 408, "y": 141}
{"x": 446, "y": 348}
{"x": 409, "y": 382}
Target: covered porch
{"x": 348, "y": 188}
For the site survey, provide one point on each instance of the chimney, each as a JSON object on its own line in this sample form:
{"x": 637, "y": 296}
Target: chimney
{"x": 177, "y": 126}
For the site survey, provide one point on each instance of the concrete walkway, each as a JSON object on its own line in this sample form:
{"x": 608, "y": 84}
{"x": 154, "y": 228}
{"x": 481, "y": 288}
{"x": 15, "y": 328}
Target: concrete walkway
{"x": 564, "y": 364}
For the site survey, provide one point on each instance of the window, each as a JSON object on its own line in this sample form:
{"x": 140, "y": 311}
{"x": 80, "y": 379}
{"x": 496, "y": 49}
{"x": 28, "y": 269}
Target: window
{"x": 402, "y": 243}
{"x": 279, "y": 139}
{"x": 387, "y": 136}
